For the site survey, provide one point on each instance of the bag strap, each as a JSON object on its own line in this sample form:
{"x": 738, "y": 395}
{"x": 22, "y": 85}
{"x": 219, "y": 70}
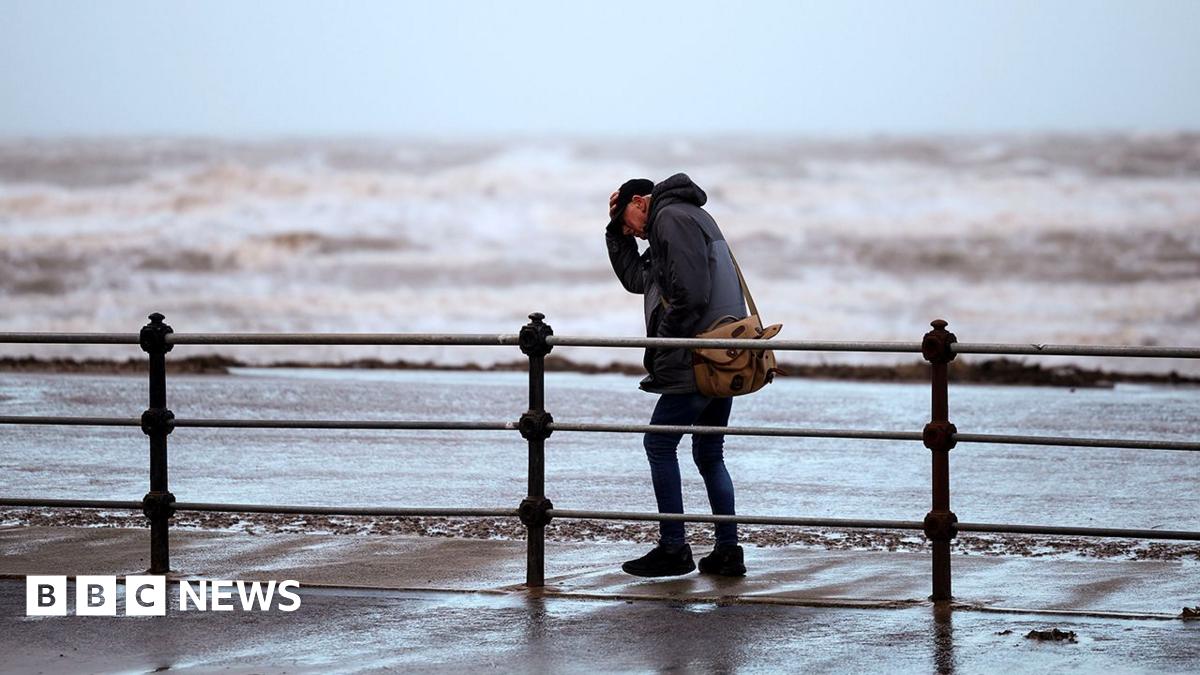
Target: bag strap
{"x": 742, "y": 281}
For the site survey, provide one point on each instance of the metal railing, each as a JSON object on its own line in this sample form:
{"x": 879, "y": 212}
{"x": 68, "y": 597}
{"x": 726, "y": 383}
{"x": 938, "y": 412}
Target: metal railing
{"x": 536, "y": 339}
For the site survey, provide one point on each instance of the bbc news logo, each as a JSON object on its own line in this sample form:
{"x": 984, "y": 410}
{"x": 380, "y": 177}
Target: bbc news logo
{"x": 146, "y": 595}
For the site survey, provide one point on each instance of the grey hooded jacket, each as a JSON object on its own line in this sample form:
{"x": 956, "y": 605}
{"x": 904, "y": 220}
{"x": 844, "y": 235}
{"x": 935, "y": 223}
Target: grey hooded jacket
{"x": 687, "y": 278}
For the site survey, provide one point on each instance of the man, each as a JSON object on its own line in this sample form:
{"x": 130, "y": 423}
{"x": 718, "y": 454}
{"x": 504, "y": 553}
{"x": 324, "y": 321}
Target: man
{"x": 689, "y": 282}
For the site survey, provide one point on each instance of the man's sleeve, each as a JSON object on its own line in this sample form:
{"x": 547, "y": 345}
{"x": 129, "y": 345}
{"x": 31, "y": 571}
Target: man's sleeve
{"x": 685, "y": 254}
{"x": 623, "y": 254}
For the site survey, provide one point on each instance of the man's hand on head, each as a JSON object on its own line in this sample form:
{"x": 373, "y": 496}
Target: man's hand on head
{"x": 612, "y": 210}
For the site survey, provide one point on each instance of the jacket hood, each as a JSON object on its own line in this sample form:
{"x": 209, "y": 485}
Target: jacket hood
{"x": 676, "y": 189}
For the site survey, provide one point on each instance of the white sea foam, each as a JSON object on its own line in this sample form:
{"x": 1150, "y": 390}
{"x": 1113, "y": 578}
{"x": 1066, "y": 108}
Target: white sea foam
{"x": 1092, "y": 239}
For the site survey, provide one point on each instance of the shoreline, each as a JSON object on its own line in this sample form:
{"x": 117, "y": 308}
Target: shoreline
{"x": 991, "y": 371}
{"x": 511, "y": 529}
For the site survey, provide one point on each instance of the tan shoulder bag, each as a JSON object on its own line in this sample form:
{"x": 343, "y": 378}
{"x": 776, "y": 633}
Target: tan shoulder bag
{"x": 722, "y": 373}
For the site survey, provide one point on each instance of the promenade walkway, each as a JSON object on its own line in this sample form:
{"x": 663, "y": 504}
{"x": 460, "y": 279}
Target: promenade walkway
{"x": 383, "y": 602}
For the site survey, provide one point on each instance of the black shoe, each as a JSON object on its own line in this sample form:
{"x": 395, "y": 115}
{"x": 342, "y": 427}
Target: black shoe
{"x": 663, "y": 561}
{"x": 726, "y": 561}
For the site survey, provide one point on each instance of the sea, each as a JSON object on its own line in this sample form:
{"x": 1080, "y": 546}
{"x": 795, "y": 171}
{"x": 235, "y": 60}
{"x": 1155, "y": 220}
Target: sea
{"x": 1091, "y": 239}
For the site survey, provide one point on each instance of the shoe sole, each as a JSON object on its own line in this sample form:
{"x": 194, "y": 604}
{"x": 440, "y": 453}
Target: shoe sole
{"x": 724, "y": 571}
{"x": 650, "y": 575}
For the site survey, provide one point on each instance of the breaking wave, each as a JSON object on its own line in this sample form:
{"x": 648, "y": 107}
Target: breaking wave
{"x": 1092, "y": 239}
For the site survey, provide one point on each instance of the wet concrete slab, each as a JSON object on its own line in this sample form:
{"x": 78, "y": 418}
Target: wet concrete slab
{"x": 367, "y": 630}
{"x": 383, "y": 603}
{"x": 792, "y": 575}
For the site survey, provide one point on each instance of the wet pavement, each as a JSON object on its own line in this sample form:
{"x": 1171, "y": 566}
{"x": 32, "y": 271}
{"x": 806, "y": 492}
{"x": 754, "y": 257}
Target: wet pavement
{"x": 348, "y": 630}
{"x": 404, "y": 603}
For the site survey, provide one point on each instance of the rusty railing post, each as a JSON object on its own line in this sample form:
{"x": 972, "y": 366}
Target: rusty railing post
{"x": 940, "y": 523}
{"x": 534, "y": 426}
{"x": 157, "y": 422}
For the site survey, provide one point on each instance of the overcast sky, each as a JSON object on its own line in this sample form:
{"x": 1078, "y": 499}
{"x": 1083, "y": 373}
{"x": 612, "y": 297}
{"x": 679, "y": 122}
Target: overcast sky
{"x": 270, "y": 68}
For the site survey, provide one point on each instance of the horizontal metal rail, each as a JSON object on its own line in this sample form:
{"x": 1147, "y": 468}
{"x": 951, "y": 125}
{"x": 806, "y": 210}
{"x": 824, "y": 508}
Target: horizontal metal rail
{"x": 452, "y": 425}
{"x": 880, "y": 435}
{"x": 432, "y": 512}
{"x": 1119, "y": 533}
{"x": 1076, "y": 350}
{"x": 267, "y": 508}
{"x": 508, "y": 339}
{"x": 70, "y": 338}
{"x": 381, "y": 339}
{"x": 739, "y": 431}
{"x": 741, "y": 520}
{"x": 1131, "y": 443}
{"x": 346, "y": 424}
{"x": 71, "y": 421}
{"x": 73, "y": 503}
{"x": 1111, "y": 532}
{"x": 436, "y": 425}
{"x": 697, "y": 343}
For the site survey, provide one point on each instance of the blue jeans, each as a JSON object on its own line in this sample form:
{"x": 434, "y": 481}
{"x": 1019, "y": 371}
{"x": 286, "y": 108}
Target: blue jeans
{"x": 708, "y": 453}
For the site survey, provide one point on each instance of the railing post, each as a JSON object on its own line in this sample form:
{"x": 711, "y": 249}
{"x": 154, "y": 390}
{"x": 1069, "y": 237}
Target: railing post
{"x": 535, "y": 428}
{"x": 157, "y": 422}
{"x": 940, "y": 523}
